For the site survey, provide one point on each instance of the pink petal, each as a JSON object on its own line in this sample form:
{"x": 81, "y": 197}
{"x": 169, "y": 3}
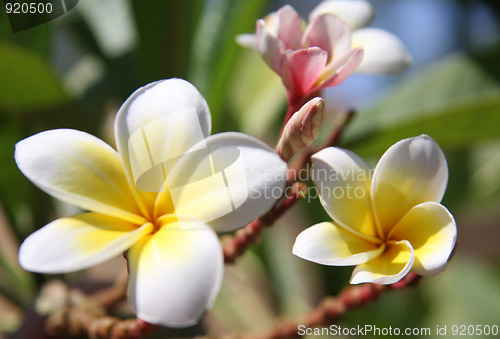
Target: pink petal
{"x": 289, "y": 27}
{"x": 330, "y": 33}
{"x": 339, "y": 70}
{"x": 301, "y": 69}
{"x": 269, "y": 47}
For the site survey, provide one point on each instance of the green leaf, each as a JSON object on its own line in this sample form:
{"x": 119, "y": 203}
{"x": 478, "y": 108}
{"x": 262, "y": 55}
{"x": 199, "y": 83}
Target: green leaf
{"x": 422, "y": 94}
{"x": 36, "y": 40}
{"x": 484, "y": 167}
{"x": 166, "y": 31}
{"x": 16, "y": 283}
{"x": 27, "y": 82}
{"x": 215, "y": 49}
{"x": 246, "y": 283}
{"x": 258, "y": 112}
{"x": 454, "y": 101}
{"x": 453, "y": 126}
{"x": 465, "y": 293}
{"x": 295, "y": 280}
{"x": 15, "y": 189}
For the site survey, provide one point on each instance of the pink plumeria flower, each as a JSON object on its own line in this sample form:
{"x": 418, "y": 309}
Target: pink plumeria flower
{"x": 388, "y": 223}
{"x": 328, "y": 49}
{"x": 174, "y": 256}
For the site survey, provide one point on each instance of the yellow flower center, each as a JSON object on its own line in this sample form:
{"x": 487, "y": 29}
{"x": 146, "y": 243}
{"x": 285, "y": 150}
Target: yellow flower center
{"x": 158, "y": 210}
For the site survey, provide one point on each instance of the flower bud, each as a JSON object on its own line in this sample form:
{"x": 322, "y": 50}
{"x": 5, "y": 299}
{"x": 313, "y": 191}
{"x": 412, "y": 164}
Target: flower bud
{"x": 302, "y": 129}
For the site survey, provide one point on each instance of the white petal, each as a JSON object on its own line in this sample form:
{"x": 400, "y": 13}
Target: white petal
{"x": 175, "y": 275}
{"x": 158, "y": 122}
{"x": 247, "y": 40}
{"x": 328, "y": 244}
{"x": 79, "y": 169}
{"x": 411, "y": 172}
{"x": 388, "y": 268}
{"x": 234, "y": 180}
{"x": 343, "y": 180}
{"x": 384, "y": 52}
{"x": 357, "y": 13}
{"x": 75, "y": 243}
{"x": 432, "y": 231}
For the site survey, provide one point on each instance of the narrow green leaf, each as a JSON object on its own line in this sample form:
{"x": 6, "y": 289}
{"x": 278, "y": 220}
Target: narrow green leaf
{"x": 484, "y": 187}
{"x": 453, "y": 126}
{"x": 15, "y": 284}
{"x": 215, "y": 49}
{"x": 465, "y": 294}
{"x": 258, "y": 112}
{"x": 423, "y": 94}
{"x": 166, "y": 30}
{"x": 27, "y": 82}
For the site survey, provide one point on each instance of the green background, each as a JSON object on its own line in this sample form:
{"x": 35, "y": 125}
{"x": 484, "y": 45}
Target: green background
{"x": 70, "y": 73}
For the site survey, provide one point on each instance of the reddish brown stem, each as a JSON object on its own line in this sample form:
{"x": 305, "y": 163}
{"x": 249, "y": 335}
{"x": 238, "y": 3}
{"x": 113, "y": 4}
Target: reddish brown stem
{"x": 89, "y": 317}
{"x": 335, "y": 136}
{"x": 109, "y": 327}
{"x": 332, "y": 308}
{"x": 84, "y": 315}
{"x": 235, "y": 246}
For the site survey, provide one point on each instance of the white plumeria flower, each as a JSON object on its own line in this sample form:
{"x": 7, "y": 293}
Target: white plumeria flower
{"x": 387, "y": 224}
{"x": 328, "y": 49}
{"x": 174, "y": 256}
{"x": 384, "y": 53}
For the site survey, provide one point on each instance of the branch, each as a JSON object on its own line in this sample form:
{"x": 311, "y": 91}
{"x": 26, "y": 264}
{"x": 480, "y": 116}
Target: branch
{"x": 332, "y": 308}
{"x": 335, "y": 135}
{"x": 79, "y": 314}
{"x": 72, "y": 313}
{"x": 236, "y": 245}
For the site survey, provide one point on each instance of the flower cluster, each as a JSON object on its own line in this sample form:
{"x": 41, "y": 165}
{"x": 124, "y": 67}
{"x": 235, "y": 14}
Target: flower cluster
{"x": 170, "y": 186}
{"x": 324, "y": 52}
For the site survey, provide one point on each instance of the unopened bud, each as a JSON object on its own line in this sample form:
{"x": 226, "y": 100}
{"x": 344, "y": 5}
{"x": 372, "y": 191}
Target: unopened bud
{"x": 302, "y": 129}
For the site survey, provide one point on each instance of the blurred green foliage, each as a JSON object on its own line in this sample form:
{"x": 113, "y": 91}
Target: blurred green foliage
{"x": 456, "y": 100}
{"x": 32, "y": 86}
